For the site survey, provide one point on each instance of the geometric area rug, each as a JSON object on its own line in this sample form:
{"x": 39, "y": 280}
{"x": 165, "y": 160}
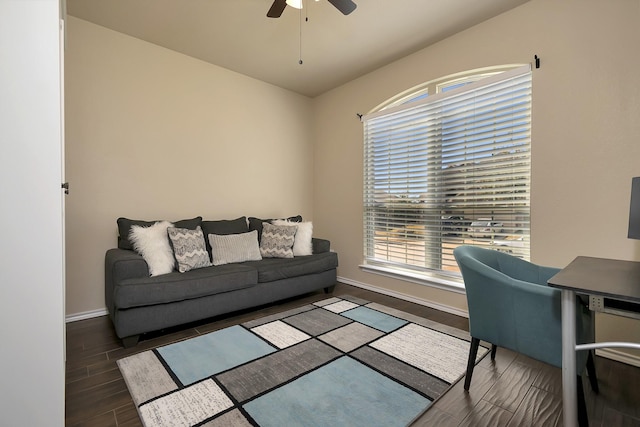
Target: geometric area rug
{"x": 337, "y": 362}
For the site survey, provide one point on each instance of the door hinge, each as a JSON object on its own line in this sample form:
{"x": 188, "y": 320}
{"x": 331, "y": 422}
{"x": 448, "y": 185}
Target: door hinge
{"x": 65, "y": 185}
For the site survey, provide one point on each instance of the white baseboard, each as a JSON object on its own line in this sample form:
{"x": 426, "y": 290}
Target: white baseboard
{"x": 86, "y": 315}
{"x": 619, "y": 356}
{"x": 405, "y": 297}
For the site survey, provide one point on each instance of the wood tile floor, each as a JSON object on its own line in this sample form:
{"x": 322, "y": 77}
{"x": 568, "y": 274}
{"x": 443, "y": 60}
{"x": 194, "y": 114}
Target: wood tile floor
{"x": 511, "y": 391}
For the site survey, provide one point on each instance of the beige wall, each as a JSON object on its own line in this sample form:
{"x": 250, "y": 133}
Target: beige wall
{"x": 152, "y": 134}
{"x": 143, "y": 122}
{"x": 586, "y": 134}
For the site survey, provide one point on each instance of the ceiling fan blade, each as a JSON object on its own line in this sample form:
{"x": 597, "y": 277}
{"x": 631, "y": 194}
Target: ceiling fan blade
{"x": 344, "y": 6}
{"x": 277, "y": 8}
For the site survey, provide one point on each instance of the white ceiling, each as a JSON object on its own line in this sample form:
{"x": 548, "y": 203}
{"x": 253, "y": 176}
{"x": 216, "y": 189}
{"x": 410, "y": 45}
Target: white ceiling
{"x": 237, "y": 35}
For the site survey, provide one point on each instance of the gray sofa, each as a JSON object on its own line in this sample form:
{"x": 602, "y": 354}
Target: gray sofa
{"x": 138, "y": 303}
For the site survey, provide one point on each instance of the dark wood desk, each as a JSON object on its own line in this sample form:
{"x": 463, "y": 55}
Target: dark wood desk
{"x": 614, "y": 279}
{"x": 610, "y": 278}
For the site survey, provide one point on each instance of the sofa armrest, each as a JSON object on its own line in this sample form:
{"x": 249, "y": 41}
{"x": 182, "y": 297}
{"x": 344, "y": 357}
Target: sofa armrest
{"x": 320, "y": 245}
{"x": 121, "y": 264}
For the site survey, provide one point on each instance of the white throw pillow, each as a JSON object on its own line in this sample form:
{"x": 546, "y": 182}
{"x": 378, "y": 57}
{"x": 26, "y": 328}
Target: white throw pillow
{"x": 229, "y": 248}
{"x": 302, "y": 244}
{"x": 153, "y": 244}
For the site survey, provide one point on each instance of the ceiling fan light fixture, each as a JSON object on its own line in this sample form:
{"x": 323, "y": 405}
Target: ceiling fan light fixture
{"x": 295, "y": 3}
{"x": 278, "y": 6}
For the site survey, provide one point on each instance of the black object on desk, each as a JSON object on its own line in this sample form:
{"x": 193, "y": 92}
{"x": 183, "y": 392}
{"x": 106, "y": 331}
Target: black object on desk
{"x": 634, "y": 210}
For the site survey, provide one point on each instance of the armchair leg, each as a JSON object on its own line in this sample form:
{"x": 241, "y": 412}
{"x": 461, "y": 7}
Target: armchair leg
{"x": 591, "y": 371}
{"x": 471, "y": 363}
{"x": 494, "y": 348}
{"x": 583, "y": 418}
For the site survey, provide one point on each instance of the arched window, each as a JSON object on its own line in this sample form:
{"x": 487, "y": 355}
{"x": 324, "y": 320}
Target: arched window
{"x": 447, "y": 164}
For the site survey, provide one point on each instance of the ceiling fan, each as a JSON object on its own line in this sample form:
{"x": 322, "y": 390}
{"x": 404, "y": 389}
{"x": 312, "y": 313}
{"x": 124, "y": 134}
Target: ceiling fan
{"x": 344, "y": 6}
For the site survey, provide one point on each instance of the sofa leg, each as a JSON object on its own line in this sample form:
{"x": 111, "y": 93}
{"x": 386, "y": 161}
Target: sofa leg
{"x": 329, "y": 289}
{"x": 132, "y": 341}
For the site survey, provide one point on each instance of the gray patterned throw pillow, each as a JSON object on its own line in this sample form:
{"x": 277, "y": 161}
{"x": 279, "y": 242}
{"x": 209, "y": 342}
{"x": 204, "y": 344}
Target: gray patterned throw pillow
{"x": 189, "y": 248}
{"x": 277, "y": 240}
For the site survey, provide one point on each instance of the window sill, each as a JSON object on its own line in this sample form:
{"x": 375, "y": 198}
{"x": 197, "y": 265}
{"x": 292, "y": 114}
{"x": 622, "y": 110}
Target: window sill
{"x": 434, "y": 281}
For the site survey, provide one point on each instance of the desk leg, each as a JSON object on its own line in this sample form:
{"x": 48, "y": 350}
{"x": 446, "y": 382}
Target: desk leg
{"x": 569, "y": 377}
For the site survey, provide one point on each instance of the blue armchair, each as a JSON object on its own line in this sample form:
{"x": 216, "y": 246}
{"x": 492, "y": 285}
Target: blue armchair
{"x": 511, "y": 306}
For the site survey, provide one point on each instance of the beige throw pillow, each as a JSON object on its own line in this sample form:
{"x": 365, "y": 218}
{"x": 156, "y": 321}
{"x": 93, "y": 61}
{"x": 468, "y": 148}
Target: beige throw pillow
{"x": 230, "y": 248}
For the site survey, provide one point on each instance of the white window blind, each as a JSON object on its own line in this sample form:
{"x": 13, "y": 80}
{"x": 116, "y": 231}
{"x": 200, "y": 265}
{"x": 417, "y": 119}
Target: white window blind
{"x": 451, "y": 169}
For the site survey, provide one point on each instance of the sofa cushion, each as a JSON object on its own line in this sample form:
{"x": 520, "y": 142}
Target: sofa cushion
{"x": 271, "y": 269}
{"x": 124, "y": 226}
{"x": 177, "y": 286}
{"x": 224, "y": 227}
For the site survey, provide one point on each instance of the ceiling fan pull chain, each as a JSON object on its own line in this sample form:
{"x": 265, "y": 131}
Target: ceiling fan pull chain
{"x": 300, "y": 25}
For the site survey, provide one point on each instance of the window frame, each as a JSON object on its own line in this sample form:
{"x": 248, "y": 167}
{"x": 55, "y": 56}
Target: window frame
{"x": 407, "y": 100}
